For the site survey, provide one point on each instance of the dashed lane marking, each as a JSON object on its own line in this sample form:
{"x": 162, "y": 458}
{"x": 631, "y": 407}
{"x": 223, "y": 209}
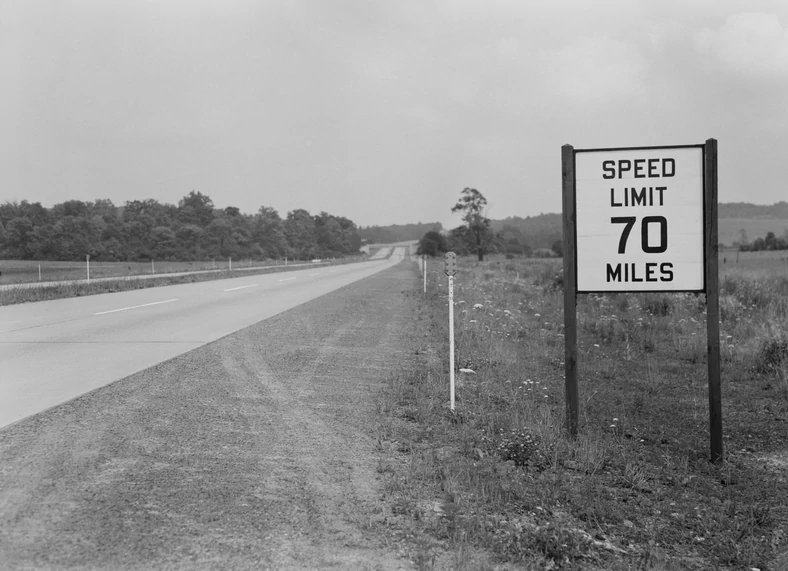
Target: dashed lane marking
{"x": 241, "y": 287}
{"x": 285, "y": 280}
{"x": 135, "y": 307}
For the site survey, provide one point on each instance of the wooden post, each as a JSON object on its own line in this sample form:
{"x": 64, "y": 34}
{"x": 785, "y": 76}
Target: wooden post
{"x": 712, "y": 298}
{"x": 570, "y": 289}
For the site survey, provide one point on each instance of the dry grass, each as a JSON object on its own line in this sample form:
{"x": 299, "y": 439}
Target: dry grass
{"x": 635, "y": 490}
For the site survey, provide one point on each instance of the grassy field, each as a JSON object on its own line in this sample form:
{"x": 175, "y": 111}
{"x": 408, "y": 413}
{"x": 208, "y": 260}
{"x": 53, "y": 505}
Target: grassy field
{"x": 636, "y": 489}
{"x": 25, "y": 271}
{"x": 753, "y": 263}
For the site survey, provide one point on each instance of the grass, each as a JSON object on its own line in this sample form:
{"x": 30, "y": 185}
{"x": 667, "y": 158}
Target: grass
{"x": 497, "y": 484}
{"x": 79, "y": 287}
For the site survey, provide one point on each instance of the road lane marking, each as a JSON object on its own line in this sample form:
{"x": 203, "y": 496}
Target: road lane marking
{"x": 134, "y": 307}
{"x": 285, "y": 280}
{"x": 241, "y": 287}
{"x": 331, "y": 271}
{"x": 315, "y": 274}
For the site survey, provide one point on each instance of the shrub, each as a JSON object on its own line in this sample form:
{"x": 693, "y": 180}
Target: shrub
{"x": 772, "y": 354}
{"x": 657, "y": 305}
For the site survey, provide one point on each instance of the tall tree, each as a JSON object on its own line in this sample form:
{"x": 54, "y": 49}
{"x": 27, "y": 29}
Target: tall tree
{"x": 473, "y": 207}
{"x": 299, "y": 228}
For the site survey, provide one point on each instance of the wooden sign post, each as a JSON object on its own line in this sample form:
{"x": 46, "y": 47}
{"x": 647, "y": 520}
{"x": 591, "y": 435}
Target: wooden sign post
{"x": 641, "y": 220}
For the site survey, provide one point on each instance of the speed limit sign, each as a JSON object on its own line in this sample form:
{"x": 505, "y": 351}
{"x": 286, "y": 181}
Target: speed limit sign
{"x": 639, "y": 224}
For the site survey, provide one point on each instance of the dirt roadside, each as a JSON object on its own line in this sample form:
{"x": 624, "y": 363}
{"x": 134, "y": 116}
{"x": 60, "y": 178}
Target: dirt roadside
{"x": 253, "y": 452}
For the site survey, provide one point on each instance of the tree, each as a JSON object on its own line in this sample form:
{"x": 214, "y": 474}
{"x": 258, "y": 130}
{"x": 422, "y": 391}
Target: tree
{"x": 299, "y": 228}
{"x": 432, "y": 244}
{"x": 196, "y": 208}
{"x": 268, "y": 233}
{"x": 473, "y": 205}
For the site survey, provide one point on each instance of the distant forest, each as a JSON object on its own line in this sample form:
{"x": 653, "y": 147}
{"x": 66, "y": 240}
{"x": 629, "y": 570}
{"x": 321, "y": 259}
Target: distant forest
{"x": 147, "y": 229}
{"x": 747, "y": 210}
{"x": 397, "y": 232}
{"x": 196, "y": 230}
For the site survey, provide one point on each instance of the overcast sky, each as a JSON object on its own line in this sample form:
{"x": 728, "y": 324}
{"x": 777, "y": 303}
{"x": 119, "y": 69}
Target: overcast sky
{"x": 381, "y": 111}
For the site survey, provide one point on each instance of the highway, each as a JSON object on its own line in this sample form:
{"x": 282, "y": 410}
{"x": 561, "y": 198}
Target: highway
{"x": 54, "y": 351}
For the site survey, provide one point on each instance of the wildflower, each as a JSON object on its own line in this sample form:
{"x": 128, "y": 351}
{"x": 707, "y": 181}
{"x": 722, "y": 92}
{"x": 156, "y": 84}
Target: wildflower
{"x": 477, "y": 306}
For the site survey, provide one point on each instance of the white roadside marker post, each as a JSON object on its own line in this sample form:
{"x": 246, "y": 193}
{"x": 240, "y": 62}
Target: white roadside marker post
{"x": 87, "y": 261}
{"x": 230, "y": 263}
{"x": 39, "y": 272}
{"x": 451, "y": 269}
{"x": 424, "y": 271}
{"x": 152, "y": 266}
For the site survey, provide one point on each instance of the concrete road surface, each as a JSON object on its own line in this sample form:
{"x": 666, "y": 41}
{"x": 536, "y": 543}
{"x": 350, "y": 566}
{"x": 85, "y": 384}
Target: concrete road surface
{"x": 53, "y": 351}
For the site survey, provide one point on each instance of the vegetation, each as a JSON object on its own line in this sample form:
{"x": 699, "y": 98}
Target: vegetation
{"x": 148, "y": 229}
{"x": 636, "y": 489}
{"x": 397, "y": 232}
{"x": 432, "y": 244}
{"x": 476, "y": 231}
{"x": 770, "y": 242}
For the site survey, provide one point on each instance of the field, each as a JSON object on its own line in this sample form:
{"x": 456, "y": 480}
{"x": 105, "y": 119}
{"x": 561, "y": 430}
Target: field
{"x": 25, "y": 271}
{"x": 635, "y": 490}
{"x": 752, "y": 263}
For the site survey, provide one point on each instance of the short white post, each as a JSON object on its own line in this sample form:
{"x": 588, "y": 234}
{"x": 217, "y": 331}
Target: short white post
{"x": 87, "y": 261}
{"x": 39, "y": 272}
{"x": 152, "y": 266}
{"x": 230, "y": 263}
{"x": 285, "y": 260}
{"x": 451, "y": 342}
{"x": 450, "y": 270}
{"x": 424, "y": 271}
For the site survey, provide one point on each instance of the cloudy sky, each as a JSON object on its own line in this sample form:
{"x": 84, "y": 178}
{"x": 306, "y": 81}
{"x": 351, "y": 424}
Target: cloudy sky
{"x": 379, "y": 110}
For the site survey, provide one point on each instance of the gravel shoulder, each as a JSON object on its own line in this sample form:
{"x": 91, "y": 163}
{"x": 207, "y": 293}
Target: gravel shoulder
{"x": 256, "y": 451}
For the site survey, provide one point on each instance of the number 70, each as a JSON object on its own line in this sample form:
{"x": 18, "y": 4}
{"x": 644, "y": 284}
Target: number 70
{"x": 629, "y": 222}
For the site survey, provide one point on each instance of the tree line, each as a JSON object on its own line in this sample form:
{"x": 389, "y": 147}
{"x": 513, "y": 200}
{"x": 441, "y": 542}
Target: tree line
{"x": 194, "y": 229}
{"x": 396, "y": 232}
{"x": 770, "y": 242}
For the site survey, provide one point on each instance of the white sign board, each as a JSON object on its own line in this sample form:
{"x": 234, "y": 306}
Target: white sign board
{"x": 639, "y": 219}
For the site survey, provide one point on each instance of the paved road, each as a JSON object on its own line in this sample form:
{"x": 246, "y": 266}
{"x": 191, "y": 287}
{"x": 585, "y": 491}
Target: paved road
{"x": 238, "y": 268}
{"x": 53, "y": 351}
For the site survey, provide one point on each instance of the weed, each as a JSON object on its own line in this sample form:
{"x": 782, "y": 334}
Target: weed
{"x": 637, "y": 477}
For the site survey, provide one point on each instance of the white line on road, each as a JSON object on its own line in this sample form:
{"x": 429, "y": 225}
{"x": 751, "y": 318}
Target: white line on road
{"x": 285, "y": 280}
{"x": 241, "y": 287}
{"x": 134, "y": 307}
{"x": 331, "y": 271}
{"x": 315, "y": 274}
